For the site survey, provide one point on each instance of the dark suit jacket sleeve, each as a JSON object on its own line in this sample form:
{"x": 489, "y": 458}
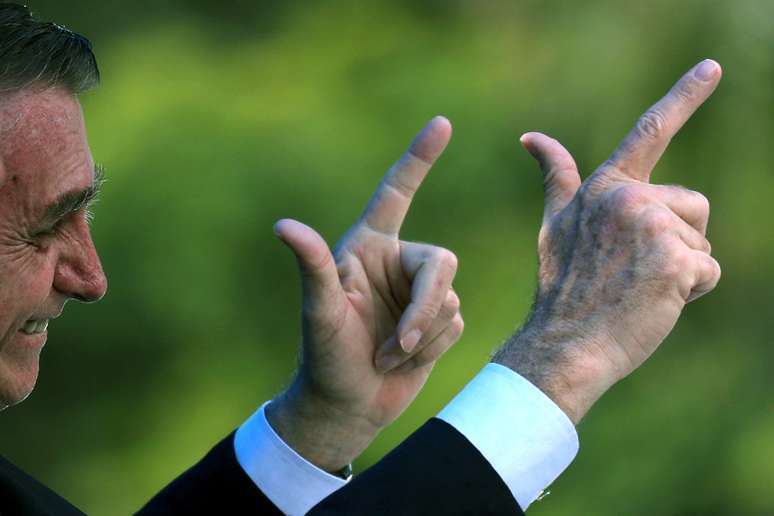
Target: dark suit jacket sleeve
{"x": 435, "y": 471}
{"x": 22, "y": 495}
{"x": 217, "y": 484}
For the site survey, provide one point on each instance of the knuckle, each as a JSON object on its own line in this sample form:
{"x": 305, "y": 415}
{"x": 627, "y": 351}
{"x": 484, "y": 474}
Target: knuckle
{"x": 611, "y": 164}
{"x": 458, "y": 326}
{"x": 702, "y": 203}
{"x": 656, "y": 222}
{"x": 447, "y": 259}
{"x": 686, "y": 90}
{"x": 562, "y": 177}
{"x": 452, "y": 303}
{"x": 313, "y": 266}
{"x": 426, "y": 312}
{"x": 651, "y": 124}
{"x": 617, "y": 166}
{"x": 411, "y": 155}
{"x": 398, "y": 184}
{"x": 698, "y": 200}
{"x": 677, "y": 266}
{"x": 627, "y": 201}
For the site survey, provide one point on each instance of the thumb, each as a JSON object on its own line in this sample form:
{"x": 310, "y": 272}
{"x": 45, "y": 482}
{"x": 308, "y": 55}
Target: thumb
{"x": 319, "y": 276}
{"x": 560, "y": 174}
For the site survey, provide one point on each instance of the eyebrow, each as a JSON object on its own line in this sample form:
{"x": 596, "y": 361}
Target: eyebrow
{"x": 71, "y": 202}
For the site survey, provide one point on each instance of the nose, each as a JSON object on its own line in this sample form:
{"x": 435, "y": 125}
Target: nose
{"x": 79, "y": 273}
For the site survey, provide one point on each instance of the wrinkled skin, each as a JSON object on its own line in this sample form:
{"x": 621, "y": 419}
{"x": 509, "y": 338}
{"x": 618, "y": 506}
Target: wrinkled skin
{"x": 619, "y": 258}
{"x": 44, "y": 260}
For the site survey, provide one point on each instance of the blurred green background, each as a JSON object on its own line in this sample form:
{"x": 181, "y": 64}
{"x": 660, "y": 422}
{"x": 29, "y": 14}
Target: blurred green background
{"x": 216, "y": 119}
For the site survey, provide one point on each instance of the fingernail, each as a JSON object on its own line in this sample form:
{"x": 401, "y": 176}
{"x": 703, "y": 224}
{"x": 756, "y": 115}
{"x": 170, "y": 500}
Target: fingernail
{"x": 706, "y": 70}
{"x": 386, "y": 362}
{"x": 409, "y": 342}
{"x": 275, "y": 228}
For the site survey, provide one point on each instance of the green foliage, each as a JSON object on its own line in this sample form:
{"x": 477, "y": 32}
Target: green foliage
{"x": 214, "y": 123}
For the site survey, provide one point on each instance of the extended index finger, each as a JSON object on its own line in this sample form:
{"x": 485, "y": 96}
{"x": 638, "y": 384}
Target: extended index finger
{"x": 391, "y": 200}
{"x": 646, "y": 142}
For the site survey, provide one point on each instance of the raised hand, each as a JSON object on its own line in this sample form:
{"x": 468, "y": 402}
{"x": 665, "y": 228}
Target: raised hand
{"x": 377, "y": 313}
{"x": 619, "y": 257}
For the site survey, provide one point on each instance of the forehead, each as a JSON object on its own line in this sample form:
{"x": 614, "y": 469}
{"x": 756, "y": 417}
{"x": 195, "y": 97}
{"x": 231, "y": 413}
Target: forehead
{"x": 43, "y": 143}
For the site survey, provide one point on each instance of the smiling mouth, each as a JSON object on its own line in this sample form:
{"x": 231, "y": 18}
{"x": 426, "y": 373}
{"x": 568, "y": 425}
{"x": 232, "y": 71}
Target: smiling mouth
{"x": 35, "y": 326}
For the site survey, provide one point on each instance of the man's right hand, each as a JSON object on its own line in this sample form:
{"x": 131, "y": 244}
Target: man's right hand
{"x": 619, "y": 257}
{"x": 377, "y": 313}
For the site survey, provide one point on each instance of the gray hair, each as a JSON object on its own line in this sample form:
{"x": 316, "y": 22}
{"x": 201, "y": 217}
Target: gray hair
{"x": 35, "y": 53}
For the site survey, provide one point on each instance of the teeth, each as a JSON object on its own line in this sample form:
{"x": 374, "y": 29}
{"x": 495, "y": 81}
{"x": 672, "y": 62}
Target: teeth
{"x": 29, "y": 327}
{"x": 33, "y": 326}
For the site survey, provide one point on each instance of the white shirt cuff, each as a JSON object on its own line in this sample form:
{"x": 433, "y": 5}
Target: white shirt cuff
{"x": 524, "y": 435}
{"x": 293, "y": 484}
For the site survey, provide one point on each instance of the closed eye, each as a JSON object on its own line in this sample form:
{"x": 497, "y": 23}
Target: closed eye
{"x": 50, "y": 230}
{"x": 71, "y": 204}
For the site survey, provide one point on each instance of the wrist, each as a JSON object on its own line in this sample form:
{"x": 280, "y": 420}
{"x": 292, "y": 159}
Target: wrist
{"x": 558, "y": 362}
{"x": 321, "y": 434}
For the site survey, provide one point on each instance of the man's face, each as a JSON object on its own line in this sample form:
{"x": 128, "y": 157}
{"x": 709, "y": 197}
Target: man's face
{"x": 46, "y": 252}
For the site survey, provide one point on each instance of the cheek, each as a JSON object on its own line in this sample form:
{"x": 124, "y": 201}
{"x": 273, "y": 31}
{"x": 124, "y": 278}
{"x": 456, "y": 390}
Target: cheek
{"x": 26, "y": 280}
